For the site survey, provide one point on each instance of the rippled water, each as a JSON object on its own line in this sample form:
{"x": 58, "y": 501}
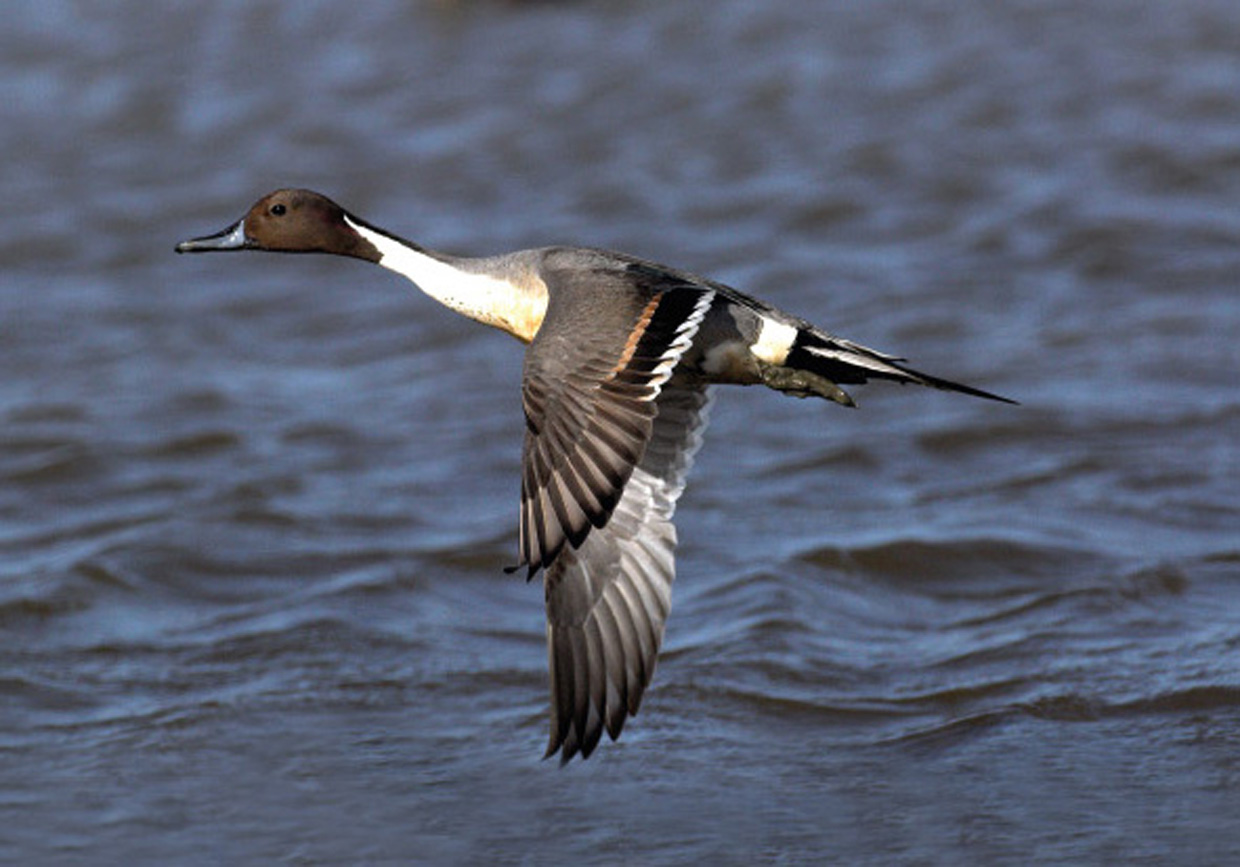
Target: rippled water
{"x": 254, "y": 510}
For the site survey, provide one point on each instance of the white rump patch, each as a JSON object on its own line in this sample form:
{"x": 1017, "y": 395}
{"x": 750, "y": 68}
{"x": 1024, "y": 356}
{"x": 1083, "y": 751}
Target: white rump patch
{"x": 774, "y": 341}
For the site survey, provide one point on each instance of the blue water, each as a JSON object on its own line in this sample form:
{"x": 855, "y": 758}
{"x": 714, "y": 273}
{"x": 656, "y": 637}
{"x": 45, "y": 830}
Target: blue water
{"x": 254, "y": 509}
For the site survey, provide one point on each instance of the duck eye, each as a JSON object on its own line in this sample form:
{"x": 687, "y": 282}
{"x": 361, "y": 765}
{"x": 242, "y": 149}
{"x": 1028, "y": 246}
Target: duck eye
{"x": 278, "y": 210}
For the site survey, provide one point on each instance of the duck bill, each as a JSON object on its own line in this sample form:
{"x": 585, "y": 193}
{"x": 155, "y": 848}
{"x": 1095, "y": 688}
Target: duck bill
{"x": 232, "y": 238}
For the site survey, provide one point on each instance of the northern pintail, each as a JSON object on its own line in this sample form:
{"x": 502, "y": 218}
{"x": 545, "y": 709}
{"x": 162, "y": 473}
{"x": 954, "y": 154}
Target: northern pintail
{"x": 621, "y": 356}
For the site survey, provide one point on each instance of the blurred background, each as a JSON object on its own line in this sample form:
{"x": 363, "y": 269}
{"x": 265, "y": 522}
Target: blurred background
{"x": 254, "y": 509}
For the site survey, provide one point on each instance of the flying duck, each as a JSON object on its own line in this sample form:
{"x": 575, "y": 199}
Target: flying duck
{"x": 621, "y": 356}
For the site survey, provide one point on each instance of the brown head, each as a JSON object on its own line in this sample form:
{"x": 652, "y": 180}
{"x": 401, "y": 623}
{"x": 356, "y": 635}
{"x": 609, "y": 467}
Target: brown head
{"x": 290, "y": 221}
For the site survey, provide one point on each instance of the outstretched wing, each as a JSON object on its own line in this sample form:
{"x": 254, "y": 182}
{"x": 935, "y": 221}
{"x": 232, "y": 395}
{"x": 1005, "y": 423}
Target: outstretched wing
{"x": 609, "y": 437}
{"x": 608, "y": 599}
{"x": 610, "y": 340}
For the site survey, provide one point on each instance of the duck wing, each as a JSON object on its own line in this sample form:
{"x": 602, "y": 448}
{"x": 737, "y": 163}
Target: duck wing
{"x": 609, "y": 438}
{"x": 611, "y": 338}
{"x": 609, "y": 598}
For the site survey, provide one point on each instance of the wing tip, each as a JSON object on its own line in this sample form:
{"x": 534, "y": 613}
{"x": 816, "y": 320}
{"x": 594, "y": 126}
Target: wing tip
{"x": 572, "y": 744}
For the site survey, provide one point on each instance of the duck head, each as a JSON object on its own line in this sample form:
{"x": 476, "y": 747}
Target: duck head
{"x": 290, "y": 221}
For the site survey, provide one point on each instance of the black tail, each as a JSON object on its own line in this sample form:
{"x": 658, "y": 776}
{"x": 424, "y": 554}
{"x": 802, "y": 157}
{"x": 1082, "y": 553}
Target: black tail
{"x": 843, "y": 362}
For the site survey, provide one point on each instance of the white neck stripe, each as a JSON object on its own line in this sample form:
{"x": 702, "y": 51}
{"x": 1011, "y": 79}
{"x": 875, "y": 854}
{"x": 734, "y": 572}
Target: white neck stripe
{"x": 477, "y": 296}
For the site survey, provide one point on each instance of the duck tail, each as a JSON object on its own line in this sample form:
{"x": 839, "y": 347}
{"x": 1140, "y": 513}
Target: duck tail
{"x": 818, "y": 364}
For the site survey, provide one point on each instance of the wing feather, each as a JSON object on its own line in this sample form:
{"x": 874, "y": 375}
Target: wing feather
{"x": 592, "y": 377}
{"x": 609, "y": 438}
{"x": 608, "y": 599}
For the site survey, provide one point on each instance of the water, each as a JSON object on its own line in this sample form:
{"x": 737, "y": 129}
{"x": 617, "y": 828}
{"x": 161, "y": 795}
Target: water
{"x": 254, "y": 509}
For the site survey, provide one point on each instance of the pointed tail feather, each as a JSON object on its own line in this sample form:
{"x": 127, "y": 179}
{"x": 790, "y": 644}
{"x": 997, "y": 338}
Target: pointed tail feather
{"x": 847, "y": 363}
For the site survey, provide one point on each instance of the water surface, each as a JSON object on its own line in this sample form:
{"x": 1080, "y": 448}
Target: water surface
{"x": 254, "y": 510}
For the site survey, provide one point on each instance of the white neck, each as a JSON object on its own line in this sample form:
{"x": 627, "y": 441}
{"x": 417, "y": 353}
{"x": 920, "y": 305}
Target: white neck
{"x": 487, "y": 299}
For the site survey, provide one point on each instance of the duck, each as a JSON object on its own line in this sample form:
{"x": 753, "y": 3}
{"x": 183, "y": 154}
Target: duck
{"x": 622, "y": 356}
